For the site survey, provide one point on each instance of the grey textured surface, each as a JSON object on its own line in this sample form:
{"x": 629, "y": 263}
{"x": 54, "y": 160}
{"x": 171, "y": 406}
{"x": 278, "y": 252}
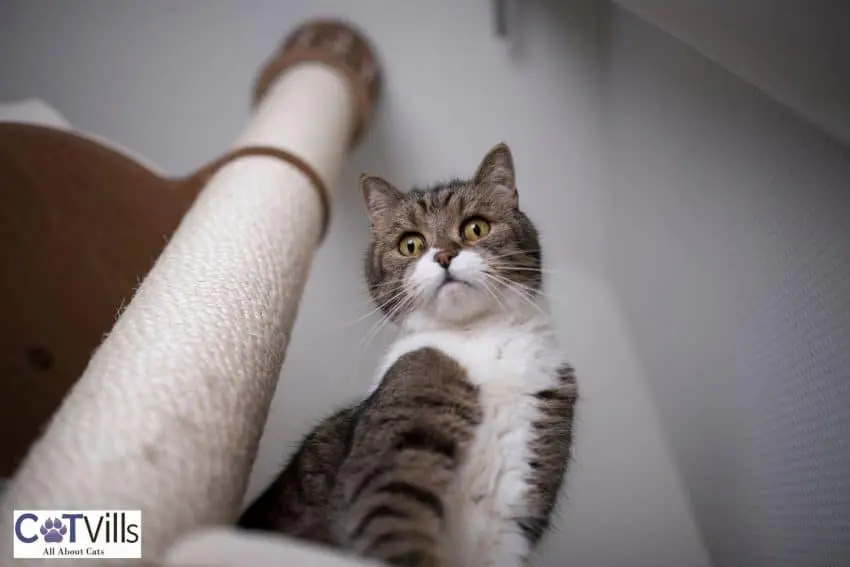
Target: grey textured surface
{"x": 793, "y": 366}
{"x": 731, "y": 256}
{"x": 172, "y": 81}
{"x": 796, "y": 52}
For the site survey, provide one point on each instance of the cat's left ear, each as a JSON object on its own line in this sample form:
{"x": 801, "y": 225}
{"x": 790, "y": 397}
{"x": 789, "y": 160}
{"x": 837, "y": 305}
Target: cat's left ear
{"x": 497, "y": 171}
{"x": 380, "y": 196}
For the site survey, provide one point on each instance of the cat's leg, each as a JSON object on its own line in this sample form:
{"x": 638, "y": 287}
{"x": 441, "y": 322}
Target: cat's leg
{"x": 505, "y": 523}
{"x": 410, "y": 439}
{"x": 297, "y": 502}
{"x": 550, "y": 453}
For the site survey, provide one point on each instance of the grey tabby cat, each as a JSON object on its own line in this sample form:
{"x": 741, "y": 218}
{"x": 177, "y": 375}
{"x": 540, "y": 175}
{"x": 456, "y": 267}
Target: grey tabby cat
{"x": 457, "y": 455}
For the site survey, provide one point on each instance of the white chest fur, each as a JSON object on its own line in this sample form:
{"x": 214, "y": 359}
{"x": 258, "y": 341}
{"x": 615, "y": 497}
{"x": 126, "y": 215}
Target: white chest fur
{"x": 509, "y": 362}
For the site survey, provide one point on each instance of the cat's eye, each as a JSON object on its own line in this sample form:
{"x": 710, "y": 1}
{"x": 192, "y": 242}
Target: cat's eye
{"x": 475, "y": 229}
{"x": 411, "y": 244}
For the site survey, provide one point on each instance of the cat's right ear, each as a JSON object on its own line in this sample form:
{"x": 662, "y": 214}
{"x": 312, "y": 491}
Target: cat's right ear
{"x": 379, "y": 194}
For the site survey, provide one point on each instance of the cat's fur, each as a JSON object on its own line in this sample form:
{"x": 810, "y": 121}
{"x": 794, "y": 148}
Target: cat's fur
{"x": 457, "y": 455}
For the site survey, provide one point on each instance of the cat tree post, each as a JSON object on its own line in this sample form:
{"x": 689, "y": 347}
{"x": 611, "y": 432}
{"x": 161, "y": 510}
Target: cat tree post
{"x": 168, "y": 414}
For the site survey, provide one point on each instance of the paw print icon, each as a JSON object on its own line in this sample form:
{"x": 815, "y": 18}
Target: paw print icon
{"x": 53, "y": 530}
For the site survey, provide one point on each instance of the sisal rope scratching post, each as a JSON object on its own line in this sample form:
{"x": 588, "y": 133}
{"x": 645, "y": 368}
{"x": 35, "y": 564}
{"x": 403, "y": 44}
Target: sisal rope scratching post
{"x": 168, "y": 414}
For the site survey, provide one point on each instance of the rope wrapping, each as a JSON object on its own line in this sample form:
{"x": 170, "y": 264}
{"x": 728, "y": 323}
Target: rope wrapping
{"x": 168, "y": 414}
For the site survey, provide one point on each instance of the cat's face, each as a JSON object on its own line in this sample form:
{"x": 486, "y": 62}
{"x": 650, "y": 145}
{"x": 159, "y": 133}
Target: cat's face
{"x": 452, "y": 252}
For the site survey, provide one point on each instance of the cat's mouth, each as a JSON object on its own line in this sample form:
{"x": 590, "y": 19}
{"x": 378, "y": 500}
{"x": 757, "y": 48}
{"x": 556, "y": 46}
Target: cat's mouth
{"x": 450, "y": 281}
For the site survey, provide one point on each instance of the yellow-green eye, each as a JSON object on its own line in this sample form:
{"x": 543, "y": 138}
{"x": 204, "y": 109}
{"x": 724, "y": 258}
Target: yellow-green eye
{"x": 411, "y": 244}
{"x": 475, "y": 229}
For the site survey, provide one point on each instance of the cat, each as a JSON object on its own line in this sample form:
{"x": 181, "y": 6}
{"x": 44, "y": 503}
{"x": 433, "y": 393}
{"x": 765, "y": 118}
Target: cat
{"x": 457, "y": 455}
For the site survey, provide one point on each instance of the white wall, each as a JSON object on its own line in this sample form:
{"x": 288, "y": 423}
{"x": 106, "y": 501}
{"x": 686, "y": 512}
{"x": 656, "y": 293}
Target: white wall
{"x": 796, "y": 52}
{"x": 631, "y": 152}
{"x": 730, "y": 256}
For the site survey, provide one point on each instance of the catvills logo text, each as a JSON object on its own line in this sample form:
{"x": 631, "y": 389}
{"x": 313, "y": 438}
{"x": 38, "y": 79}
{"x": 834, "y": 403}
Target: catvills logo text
{"x": 85, "y": 534}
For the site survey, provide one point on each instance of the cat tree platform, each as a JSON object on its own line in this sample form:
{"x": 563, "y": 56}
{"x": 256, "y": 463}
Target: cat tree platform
{"x": 146, "y": 317}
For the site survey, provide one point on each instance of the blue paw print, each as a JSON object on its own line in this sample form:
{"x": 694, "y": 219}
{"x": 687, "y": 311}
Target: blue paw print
{"x": 53, "y": 530}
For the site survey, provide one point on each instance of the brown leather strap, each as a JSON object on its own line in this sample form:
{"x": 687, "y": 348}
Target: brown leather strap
{"x": 203, "y": 175}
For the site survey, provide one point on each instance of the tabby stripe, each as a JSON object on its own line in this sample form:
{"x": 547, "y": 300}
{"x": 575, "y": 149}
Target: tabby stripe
{"x": 554, "y": 394}
{"x": 427, "y": 440}
{"x": 567, "y": 374}
{"x": 366, "y": 480}
{"x": 532, "y": 528}
{"x": 465, "y": 413}
{"x": 395, "y": 537}
{"x": 380, "y": 511}
{"x": 447, "y": 196}
{"x": 441, "y": 401}
{"x": 424, "y": 497}
{"x": 390, "y": 420}
{"x": 468, "y": 387}
{"x": 409, "y": 559}
{"x": 412, "y": 220}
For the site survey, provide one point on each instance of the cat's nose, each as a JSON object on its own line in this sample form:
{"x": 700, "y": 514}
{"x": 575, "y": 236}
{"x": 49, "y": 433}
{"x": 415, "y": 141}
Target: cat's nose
{"x": 444, "y": 257}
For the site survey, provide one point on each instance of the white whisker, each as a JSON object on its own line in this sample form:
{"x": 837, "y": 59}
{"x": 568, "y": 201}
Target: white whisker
{"x": 515, "y": 268}
{"x": 522, "y": 291}
{"x": 377, "y": 309}
{"x": 366, "y": 341}
{"x": 510, "y": 254}
{"x": 493, "y": 294}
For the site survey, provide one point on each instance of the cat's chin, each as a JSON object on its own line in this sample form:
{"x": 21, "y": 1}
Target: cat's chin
{"x": 453, "y": 290}
{"x": 457, "y": 301}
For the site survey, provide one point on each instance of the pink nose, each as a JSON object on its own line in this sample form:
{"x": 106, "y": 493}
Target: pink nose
{"x": 444, "y": 257}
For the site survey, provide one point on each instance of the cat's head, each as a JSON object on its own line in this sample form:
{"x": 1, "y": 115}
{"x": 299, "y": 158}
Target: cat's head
{"x": 455, "y": 251}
